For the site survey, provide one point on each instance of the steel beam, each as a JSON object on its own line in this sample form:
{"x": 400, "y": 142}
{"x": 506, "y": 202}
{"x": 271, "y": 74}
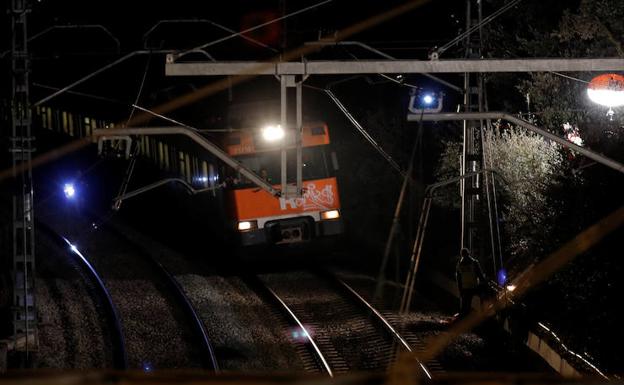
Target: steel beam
{"x": 197, "y": 138}
{"x": 391, "y": 66}
{"x": 515, "y": 120}
{"x": 21, "y": 140}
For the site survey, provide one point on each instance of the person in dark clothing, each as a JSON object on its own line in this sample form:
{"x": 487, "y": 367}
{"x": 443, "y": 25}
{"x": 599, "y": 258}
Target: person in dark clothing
{"x": 470, "y": 280}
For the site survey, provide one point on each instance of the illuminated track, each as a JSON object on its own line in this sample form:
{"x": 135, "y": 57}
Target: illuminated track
{"x": 382, "y": 321}
{"x": 341, "y": 326}
{"x": 113, "y": 323}
{"x": 200, "y": 334}
{"x": 321, "y": 362}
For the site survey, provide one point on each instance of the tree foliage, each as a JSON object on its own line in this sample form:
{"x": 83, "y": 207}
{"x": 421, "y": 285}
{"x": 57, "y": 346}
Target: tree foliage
{"x": 527, "y": 168}
{"x": 579, "y": 300}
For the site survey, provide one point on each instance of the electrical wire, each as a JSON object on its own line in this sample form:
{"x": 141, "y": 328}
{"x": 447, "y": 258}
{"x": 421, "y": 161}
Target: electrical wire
{"x": 206, "y": 45}
{"x": 136, "y": 100}
{"x": 171, "y": 120}
{"x": 483, "y": 22}
{"x": 569, "y": 77}
{"x": 135, "y": 150}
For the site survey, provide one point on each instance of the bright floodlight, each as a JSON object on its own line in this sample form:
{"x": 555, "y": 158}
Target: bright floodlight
{"x": 272, "y": 133}
{"x": 69, "y": 190}
{"x": 607, "y": 98}
{"x": 427, "y": 99}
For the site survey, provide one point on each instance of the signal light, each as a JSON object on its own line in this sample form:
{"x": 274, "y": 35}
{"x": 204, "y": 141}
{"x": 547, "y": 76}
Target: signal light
{"x": 331, "y": 214}
{"x": 425, "y": 103}
{"x": 69, "y": 190}
{"x": 428, "y": 99}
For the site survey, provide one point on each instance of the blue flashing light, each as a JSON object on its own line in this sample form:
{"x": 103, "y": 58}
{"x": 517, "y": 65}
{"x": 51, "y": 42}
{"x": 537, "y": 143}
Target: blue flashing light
{"x": 501, "y": 277}
{"x": 69, "y": 190}
{"x": 428, "y": 99}
{"x": 147, "y": 367}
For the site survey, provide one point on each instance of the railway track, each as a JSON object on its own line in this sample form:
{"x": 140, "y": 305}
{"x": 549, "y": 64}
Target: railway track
{"x": 96, "y": 286}
{"x": 161, "y": 328}
{"x": 340, "y": 329}
{"x": 413, "y": 336}
{"x": 307, "y": 348}
{"x": 203, "y": 346}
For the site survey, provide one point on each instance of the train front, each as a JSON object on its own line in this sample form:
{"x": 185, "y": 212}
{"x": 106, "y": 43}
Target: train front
{"x": 260, "y": 218}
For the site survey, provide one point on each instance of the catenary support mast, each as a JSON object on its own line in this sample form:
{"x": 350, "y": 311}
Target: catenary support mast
{"x": 21, "y": 148}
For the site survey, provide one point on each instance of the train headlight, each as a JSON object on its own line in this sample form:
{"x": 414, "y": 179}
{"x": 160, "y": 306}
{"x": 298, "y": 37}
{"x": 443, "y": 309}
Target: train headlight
{"x": 273, "y": 133}
{"x": 331, "y": 214}
{"x": 247, "y": 225}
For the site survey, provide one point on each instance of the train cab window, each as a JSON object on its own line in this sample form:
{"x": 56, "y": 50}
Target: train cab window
{"x": 268, "y": 165}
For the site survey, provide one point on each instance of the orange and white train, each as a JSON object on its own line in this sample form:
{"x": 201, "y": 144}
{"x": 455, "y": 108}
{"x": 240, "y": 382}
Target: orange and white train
{"x": 260, "y": 218}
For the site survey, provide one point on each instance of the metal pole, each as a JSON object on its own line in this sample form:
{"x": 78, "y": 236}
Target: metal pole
{"x": 523, "y": 123}
{"x": 420, "y": 232}
{"x": 420, "y": 236}
{"x": 385, "y": 55}
{"x": 199, "y": 139}
{"x": 284, "y": 122}
{"x": 415, "y": 258}
{"x": 21, "y": 148}
{"x": 298, "y": 131}
{"x": 381, "y": 277}
{"x": 159, "y": 183}
{"x": 487, "y": 181}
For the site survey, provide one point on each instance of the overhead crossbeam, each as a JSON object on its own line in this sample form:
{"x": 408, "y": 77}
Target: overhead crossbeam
{"x": 599, "y": 158}
{"x": 197, "y": 138}
{"x": 390, "y": 66}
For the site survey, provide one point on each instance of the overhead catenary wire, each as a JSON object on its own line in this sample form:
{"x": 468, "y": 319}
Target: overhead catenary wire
{"x": 212, "y": 88}
{"x": 131, "y": 165}
{"x": 236, "y": 34}
{"x": 171, "y": 120}
{"x": 365, "y": 134}
{"x": 484, "y": 22}
{"x": 207, "y": 21}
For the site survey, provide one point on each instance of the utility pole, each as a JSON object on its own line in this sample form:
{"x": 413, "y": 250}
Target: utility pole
{"x": 284, "y": 41}
{"x": 21, "y": 148}
{"x": 472, "y": 156}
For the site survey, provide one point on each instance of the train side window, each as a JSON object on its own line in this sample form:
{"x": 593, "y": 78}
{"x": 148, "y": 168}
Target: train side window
{"x": 166, "y": 150}
{"x": 188, "y": 168}
{"x": 161, "y": 156}
{"x": 334, "y": 160}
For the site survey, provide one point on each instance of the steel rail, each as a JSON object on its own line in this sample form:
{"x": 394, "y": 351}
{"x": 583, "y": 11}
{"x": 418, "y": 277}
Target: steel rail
{"x": 208, "y": 357}
{"x": 257, "y": 282}
{"x": 390, "y": 329}
{"x": 120, "y": 356}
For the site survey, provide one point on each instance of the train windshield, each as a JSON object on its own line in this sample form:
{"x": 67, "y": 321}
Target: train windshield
{"x": 267, "y": 165}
